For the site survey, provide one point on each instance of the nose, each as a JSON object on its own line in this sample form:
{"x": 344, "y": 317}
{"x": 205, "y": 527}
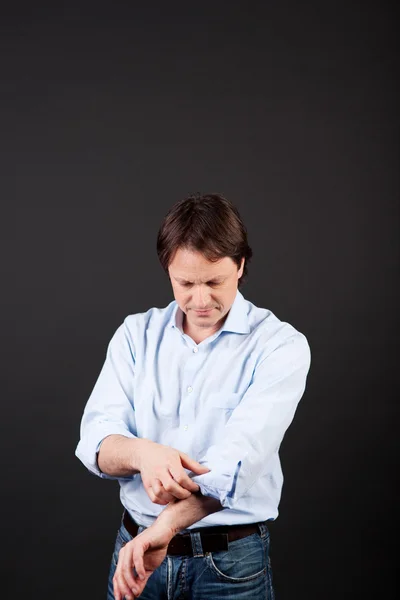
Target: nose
{"x": 202, "y": 298}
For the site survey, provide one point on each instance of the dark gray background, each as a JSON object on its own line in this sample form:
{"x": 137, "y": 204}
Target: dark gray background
{"x": 108, "y": 117}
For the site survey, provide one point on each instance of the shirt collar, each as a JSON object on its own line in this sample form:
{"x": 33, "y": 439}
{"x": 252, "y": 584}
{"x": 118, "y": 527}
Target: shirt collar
{"x": 236, "y": 321}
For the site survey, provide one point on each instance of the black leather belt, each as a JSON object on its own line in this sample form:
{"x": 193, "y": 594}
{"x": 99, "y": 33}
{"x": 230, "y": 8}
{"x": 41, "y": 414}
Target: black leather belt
{"x": 213, "y": 539}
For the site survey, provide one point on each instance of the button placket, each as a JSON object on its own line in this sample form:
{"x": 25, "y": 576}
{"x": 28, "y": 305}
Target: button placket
{"x": 187, "y": 410}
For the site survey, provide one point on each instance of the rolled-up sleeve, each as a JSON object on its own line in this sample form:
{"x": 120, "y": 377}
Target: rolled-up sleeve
{"x": 110, "y": 408}
{"x": 258, "y": 424}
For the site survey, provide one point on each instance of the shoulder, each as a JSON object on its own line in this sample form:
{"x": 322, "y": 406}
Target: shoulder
{"x": 136, "y": 325}
{"x": 272, "y": 333}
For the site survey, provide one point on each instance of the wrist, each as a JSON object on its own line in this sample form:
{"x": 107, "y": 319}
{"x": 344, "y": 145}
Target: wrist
{"x": 166, "y": 520}
{"x": 138, "y": 445}
{"x": 163, "y": 526}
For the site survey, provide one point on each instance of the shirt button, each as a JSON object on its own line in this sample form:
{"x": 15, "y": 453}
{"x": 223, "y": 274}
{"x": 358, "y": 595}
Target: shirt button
{"x": 195, "y": 350}
{"x": 190, "y": 389}
{"x": 186, "y": 427}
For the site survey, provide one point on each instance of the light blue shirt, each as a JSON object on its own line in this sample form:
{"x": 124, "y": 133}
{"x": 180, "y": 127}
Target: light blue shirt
{"x": 227, "y": 402}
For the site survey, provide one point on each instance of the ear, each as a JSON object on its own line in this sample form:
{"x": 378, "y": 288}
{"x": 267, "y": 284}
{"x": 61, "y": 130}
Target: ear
{"x": 240, "y": 271}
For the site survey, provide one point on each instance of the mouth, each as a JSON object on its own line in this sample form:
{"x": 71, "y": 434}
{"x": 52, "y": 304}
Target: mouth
{"x": 203, "y": 312}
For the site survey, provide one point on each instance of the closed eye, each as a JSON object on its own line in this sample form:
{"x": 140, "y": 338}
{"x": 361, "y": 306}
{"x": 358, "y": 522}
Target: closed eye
{"x": 187, "y": 284}
{"x": 210, "y": 283}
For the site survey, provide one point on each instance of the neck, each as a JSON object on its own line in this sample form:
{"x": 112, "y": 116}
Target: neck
{"x": 199, "y": 334}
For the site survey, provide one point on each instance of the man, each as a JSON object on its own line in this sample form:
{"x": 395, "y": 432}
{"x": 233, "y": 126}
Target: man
{"x": 188, "y": 413}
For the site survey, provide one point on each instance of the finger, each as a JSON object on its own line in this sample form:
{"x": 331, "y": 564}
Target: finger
{"x": 183, "y": 479}
{"x": 124, "y": 572}
{"x": 140, "y": 588}
{"x": 117, "y": 594}
{"x": 163, "y": 500}
{"x": 121, "y": 590}
{"x": 193, "y": 465}
{"x": 160, "y": 492}
{"x": 127, "y": 567}
{"x": 173, "y": 484}
{"x": 117, "y": 591}
{"x": 139, "y": 562}
{"x": 151, "y": 494}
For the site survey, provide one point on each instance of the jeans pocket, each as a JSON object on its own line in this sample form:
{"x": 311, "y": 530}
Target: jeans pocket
{"x": 245, "y": 560}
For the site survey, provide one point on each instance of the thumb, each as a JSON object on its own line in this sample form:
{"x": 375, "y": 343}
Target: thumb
{"x": 193, "y": 465}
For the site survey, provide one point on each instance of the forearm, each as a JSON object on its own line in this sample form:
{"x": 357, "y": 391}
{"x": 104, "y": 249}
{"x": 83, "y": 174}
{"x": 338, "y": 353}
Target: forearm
{"x": 181, "y": 514}
{"x": 119, "y": 456}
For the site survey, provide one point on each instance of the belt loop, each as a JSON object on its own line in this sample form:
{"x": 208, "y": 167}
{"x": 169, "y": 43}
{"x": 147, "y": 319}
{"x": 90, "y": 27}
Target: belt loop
{"x": 197, "y": 547}
{"x": 263, "y": 529}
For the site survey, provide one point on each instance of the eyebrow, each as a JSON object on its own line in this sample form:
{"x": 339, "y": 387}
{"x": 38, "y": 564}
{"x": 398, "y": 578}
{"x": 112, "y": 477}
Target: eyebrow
{"x": 217, "y": 279}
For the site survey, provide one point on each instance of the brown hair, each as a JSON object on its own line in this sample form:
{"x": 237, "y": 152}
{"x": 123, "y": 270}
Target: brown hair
{"x": 209, "y": 224}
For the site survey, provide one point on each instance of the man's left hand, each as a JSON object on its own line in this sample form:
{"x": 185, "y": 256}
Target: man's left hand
{"x": 144, "y": 553}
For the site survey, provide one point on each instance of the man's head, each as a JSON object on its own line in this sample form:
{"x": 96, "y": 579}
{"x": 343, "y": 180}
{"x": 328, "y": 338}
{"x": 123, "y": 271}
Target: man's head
{"x": 202, "y": 245}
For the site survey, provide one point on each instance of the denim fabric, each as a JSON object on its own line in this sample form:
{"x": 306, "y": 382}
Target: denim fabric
{"x": 241, "y": 573}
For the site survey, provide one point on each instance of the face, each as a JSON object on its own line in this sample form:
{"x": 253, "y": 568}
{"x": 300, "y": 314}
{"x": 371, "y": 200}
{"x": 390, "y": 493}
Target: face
{"x": 204, "y": 290}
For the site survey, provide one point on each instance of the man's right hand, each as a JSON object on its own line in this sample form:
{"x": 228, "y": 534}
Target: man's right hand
{"x": 163, "y": 472}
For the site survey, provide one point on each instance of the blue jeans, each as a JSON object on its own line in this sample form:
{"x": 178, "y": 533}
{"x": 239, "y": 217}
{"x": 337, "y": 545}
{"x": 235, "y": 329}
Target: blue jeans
{"x": 243, "y": 572}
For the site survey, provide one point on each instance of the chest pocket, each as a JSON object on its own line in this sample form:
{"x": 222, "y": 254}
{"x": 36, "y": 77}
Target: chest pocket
{"x": 226, "y": 400}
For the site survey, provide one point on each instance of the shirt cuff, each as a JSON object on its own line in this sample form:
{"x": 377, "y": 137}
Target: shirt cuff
{"x": 220, "y": 482}
{"x": 89, "y": 446}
